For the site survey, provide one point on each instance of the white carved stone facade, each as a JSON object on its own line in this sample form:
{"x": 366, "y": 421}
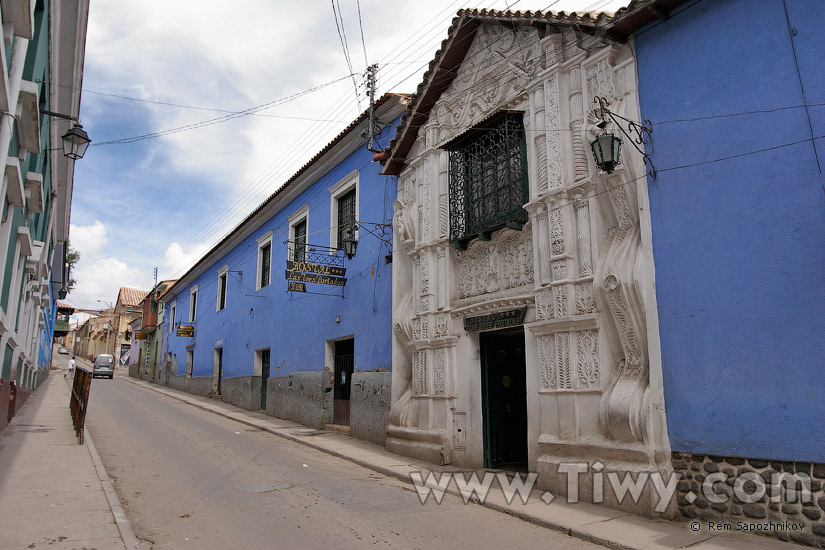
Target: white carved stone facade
{"x": 582, "y": 265}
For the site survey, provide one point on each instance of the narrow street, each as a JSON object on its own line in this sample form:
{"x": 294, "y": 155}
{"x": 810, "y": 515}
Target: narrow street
{"x": 191, "y": 479}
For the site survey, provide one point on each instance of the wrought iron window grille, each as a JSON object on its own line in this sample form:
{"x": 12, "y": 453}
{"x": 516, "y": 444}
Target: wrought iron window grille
{"x": 488, "y": 179}
{"x": 317, "y": 254}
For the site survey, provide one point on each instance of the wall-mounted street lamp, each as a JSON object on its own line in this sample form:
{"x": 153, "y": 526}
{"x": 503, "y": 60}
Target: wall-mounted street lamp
{"x": 607, "y": 147}
{"x": 349, "y": 241}
{"x": 76, "y": 140}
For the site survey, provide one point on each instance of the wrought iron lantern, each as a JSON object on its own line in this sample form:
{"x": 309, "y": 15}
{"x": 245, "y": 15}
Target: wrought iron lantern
{"x": 75, "y": 142}
{"x": 606, "y": 151}
{"x": 349, "y": 241}
{"x": 607, "y": 147}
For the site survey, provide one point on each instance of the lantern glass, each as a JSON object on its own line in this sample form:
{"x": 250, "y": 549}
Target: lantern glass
{"x": 606, "y": 151}
{"x": 349, "y": 242}
{"x": 75, "y": 142}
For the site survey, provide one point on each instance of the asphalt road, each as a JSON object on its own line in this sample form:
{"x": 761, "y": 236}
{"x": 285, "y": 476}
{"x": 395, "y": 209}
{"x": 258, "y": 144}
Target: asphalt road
{"x": 191, "y": 479}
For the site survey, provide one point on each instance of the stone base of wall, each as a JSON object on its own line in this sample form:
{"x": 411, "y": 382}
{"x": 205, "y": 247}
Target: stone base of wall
{"x": 777, "y": 499}
{"x": 370, "y": 406}
{"x": 304, "y": 397}
{"x": 242, "y": 391}
{"x": 199, "y": 385}
{"x": 176, "y": 382}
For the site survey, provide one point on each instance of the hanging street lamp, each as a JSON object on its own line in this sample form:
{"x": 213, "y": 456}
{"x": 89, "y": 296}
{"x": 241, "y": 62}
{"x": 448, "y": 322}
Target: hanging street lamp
{"x": 607, "y": 147}
{"x": 76, "y": 140}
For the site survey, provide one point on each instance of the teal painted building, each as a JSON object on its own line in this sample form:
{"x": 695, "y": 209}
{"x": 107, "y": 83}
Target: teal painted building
{"x": 42, "y": 63}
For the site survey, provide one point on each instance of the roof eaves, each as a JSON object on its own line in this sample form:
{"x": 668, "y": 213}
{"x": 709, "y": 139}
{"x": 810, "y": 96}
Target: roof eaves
{"x": 444, "y": 66}
{"x": 335, "y": 141}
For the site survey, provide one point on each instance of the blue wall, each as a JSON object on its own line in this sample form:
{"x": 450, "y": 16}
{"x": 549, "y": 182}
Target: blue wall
{"x": 739, "y": 244}
{"x": 296, "y": 326}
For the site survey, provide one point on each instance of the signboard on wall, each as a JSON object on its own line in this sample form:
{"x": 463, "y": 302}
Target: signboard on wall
{"x": 315, "y": 278}
{"x": 499, "y": 319}
{"x": 296, "y": 287}
{"x": 140, "y": 336}
{"x": 187, "y": 331}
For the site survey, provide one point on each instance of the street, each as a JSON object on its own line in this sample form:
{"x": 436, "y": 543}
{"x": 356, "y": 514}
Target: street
{"x": 191, "y": 479}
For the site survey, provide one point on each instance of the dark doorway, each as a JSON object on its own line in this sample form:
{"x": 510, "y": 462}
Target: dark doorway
{"x": 504, "y": 398}
{"x": 218, "y": 369}
{"x": 344, "y": 365}
{"x": 264, "y": 376}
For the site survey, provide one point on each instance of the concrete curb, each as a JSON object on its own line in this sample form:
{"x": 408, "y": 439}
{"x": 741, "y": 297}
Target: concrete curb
{"x": 130, "y": 540}
{"x": 127, "y": 534}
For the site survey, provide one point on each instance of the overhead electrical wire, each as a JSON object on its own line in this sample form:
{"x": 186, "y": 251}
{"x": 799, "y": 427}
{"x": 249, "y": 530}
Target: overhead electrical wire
{"x": 511, "y": 6}
{"x": 342, "y": 36}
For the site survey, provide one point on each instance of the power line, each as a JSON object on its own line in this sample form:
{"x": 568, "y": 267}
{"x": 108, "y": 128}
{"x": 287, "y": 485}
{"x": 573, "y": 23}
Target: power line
{"x": 239, "y": 114}
{"x": 342, "y": 36}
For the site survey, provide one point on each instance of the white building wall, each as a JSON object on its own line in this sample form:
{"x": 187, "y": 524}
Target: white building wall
{"x": 582, "y": 266}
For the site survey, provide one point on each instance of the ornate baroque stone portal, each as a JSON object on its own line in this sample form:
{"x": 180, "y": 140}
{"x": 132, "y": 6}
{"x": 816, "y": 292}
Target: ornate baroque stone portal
{"x": 581, "y": 264}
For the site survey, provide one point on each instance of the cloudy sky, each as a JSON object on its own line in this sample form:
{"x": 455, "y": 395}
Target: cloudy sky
{"x": 199, "y": 110}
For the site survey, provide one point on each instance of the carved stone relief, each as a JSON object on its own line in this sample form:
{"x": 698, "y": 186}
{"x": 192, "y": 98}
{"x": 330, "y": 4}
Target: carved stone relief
{"x": 506, "y": 262}
{"x": 588, "y": 358}
{"x": 551, "y": 113}
{"x": 545, "y": 305}
{"x": 439, "y": 387}
{"x": 419, "y": 372}
{"x": 504, "y": 62}
{"x": 600, "y": 80}
{"x": 585, "y": 300}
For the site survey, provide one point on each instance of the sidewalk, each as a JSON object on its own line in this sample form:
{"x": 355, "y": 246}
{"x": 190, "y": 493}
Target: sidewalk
{"x": 55, "y": 493}
{"x": 597, "y": 524}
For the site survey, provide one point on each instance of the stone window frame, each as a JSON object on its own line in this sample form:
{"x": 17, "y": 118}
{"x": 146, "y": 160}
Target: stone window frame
{"x": 172, "y": 307}
{"x": 263, "y": 241}
{"x": 223, "y": 278}
{"x": 193, "y": 303}
{"x": 299, "y": 216}
{"x": 346, "y": 184}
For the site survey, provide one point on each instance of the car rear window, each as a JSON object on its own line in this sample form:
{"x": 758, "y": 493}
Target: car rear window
{"x": 103, "y": 361}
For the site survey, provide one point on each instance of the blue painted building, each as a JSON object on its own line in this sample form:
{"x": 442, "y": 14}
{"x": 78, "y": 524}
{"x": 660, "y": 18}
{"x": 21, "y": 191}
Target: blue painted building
{"x": 734, "y": 90}
{"x": 319, "y": 353}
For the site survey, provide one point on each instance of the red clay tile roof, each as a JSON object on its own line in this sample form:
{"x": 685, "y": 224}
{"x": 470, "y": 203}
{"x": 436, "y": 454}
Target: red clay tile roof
{"x": 443, "y": 68}
{"x": 131, "y": 296}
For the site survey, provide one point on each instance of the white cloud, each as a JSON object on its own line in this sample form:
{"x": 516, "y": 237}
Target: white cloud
{"x": 101, "y": 280}
{"x": 89, "y": 240}
{"x": 177, "y": 261}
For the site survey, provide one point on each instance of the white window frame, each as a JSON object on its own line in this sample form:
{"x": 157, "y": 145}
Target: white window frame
{"x": 223, "y": 273}
{"x": 344, "y": 186}
{"x": 193, "y": 303}
{"x": 301, "y": 215}
{"x": 172, "y": 316}
{"x": 262, "y": 242}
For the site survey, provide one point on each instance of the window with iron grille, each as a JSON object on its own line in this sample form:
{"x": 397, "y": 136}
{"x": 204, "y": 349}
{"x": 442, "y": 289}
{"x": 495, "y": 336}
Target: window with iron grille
{"x": 299, "y": 241}
{"x": 266, "y": 257}
{"x": 346, "y": 215}
{"x": 222, "y": 276}
{"x": 488, "y": 179}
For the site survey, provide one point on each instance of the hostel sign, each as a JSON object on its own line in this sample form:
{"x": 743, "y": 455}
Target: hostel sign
{"x": 305, "y": 272}
{"x": 187, "y": 331}
{"x": 500, "y": 319}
